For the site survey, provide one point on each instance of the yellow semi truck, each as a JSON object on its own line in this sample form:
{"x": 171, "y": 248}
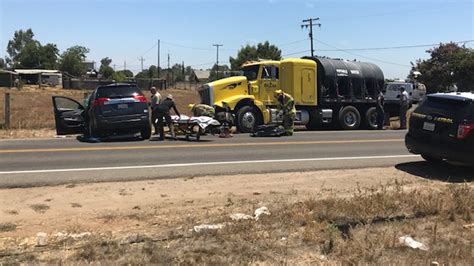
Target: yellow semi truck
{"x": 326, "y": 92}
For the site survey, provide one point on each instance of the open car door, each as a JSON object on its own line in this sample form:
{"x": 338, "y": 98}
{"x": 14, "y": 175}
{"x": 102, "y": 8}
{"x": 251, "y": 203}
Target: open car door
{"x": 68, "y": 115}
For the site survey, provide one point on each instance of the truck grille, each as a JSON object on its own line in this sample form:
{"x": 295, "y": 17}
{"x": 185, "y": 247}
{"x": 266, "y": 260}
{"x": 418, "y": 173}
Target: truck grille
{"x": 205, "y": 94}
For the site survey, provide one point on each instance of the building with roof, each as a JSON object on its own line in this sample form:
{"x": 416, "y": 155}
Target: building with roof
{"x": 7, "y": 78}
{"x": 40, "y": 76}
{"x": 201, "y": 76}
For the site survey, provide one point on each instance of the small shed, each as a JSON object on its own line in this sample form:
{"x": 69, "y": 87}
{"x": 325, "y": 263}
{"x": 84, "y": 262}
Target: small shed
{"x": 7, "y": 78}
{"x": 41, "y": 76}
{"x": 201, "y": 76}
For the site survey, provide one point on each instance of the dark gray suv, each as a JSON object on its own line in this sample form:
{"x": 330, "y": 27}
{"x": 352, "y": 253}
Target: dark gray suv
{"x": 110, "y": 109}
{"x": 442, "y": 128}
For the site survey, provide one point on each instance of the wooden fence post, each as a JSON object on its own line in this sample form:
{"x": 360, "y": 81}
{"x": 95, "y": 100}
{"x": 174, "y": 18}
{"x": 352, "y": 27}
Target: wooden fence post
{"x": 7, "y": 110}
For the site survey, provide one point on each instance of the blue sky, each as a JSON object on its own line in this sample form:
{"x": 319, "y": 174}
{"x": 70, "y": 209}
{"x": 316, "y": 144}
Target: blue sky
{"x": 125, "y": 30}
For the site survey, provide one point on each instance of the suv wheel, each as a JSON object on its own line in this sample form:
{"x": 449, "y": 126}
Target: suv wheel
{"x": 145, "y": 133}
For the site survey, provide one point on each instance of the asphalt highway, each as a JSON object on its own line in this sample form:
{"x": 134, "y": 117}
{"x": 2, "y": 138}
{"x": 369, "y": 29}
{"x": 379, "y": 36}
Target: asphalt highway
{"x": 66, "y": 160}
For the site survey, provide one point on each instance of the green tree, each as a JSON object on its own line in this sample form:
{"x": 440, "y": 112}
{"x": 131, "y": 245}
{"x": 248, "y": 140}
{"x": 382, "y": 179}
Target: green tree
{"x": 34, "y": 55}
{"x": 72, "y": 59}
{"x": 142, "y": 75}
{"x": 251, "y": 52}
{"x": 2, "y": 63}
{"x": 449, "y": 64}
{"x": 178, "y": 72}
{"x": 29, "y": 56}
{"x": 105, "y": 69}
{"x": 26, "y": 52}
{"x": 49, "y": 56}
{"x": 214, "y": 75}
{"x": 20, "y": 40}
{"x": 152, "y": 72}
{"x": 127, "y": 73}
{"x": 119, "y": 76}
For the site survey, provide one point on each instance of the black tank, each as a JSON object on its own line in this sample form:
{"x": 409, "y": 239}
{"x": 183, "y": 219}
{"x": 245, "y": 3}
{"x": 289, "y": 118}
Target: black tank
{"x": 348, "y": 79}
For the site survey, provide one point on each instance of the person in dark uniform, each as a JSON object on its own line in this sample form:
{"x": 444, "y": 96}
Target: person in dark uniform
{"x": 380, "y": 111}
{"x": 163, "y": 112}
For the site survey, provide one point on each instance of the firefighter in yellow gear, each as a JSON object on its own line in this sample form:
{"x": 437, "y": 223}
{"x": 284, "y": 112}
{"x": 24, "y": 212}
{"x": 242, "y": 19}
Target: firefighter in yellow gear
{"x": 286, "y": 107}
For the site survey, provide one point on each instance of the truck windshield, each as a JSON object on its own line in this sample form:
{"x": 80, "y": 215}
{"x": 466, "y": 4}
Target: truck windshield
{"x": 251, "y": 72}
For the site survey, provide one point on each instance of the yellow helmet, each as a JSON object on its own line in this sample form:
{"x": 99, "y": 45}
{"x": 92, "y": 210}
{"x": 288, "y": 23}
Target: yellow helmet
{"x": 278, "y": 92}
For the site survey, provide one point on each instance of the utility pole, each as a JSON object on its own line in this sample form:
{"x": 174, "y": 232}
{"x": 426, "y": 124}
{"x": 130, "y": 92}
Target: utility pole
{"x": 158, "y": 60}
{"x": 141, "y": 60}
{"x": 124, "y": 65}
{"x": 217, "y": 58}
{"x": 114, "y": 67}
{"x": 168, "y": 71}
{"x": 308, "y": 23}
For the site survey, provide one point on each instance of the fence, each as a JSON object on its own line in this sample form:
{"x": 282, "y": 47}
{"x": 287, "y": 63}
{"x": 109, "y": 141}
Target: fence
{"x": 31, "y": 108}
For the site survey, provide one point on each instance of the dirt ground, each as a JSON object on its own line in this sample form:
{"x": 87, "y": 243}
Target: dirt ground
{"x": 335, "y": 216}
{"x": 32, "y": 110}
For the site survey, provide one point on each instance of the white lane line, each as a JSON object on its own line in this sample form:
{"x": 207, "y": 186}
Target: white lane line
{"x": 206, "y": 164}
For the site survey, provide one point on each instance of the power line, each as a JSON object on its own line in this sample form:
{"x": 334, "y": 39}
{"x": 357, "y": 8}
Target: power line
{"x": 202, "y": 64}
{"x": 390, "y": 47}
{"x": 300, "y": 52}
{"x": 151, "y": 48}
{"x": 392, "y": 13}
{"x": 290, "y": 43}
{"x": 366, "y": 57}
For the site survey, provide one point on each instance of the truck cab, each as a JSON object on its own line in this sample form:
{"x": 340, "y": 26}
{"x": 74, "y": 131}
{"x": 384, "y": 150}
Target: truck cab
{"x": 251, "y": 96}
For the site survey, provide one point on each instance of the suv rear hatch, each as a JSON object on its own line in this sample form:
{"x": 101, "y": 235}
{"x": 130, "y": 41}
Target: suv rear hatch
{"x": 439, "y": 116}
{"x": 120, "y": 101}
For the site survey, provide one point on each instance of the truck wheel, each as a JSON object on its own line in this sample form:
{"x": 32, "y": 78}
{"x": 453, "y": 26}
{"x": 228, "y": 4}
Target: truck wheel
{"x": 248, "y": 118}
{"x": 371, "y": 118}
{"x": 313, "y": 120}
{"x": 349, "y": 118}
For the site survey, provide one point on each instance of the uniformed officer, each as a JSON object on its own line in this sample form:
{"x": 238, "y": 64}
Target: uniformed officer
{"x": 380, "y": 110}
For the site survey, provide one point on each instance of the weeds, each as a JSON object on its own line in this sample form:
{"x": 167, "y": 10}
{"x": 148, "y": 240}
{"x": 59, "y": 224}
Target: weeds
{"x": 362, "y": 228}
{"x": 39, "y": 208}
{"x": 7, "y": 227}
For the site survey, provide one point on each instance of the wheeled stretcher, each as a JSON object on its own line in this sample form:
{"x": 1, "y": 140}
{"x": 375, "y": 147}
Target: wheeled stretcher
{"x": 193, "y": 126}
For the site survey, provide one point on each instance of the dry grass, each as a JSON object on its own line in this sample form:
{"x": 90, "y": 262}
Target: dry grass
{"x": 39, "y": 208}
{"x": 362, "y": 228}
{"x": 32, "y": 109}
{"x": 7, "y": 227}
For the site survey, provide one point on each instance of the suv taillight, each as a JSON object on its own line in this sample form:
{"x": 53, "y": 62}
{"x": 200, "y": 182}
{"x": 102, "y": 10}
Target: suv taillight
{"x": 100, "y": 102}
{"x": 140, "y": 98}
{"x": 464, "y": 130}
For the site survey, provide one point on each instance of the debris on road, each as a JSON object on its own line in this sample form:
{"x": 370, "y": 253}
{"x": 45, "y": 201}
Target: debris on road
{"x": 410, "y": 242}
{"x": 41, "y": 239}
{"x": 203, "y": 227}
{"x": 260, "y": 211}
{"x": 240, "y": 216}
{"x": 62, "y": 235}
{"x": 468, "y": 226}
